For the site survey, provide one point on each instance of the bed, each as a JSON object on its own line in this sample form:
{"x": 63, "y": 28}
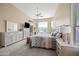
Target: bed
{"x": 43, "y": 40}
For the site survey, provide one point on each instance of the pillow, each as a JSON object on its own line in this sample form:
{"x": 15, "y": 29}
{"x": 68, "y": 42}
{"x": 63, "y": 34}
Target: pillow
{"x": 54, "y": 33}
{"x": 58, "y": 35}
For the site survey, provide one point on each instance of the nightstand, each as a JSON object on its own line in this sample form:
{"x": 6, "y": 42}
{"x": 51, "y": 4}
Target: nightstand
{"x": 64, "y": 49}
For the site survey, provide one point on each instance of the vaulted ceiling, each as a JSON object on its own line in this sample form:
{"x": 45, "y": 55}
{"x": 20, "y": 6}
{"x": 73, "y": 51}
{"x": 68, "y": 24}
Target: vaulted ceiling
{"x": 47, "y": 9}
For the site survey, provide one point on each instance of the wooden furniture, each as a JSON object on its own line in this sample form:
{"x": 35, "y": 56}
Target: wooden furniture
{"x": 28, "y": 40}
{"x": 64, "y": 49}
{"x": 7, "y": 38}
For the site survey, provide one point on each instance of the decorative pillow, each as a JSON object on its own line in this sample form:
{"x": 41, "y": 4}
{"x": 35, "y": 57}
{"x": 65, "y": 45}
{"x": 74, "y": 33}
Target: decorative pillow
{"x": 54, "y": 33}
{"x": 58, "y": 35}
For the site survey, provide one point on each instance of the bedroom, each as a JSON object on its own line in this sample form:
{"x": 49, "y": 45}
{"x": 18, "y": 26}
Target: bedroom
{"x": 50, "y": 29}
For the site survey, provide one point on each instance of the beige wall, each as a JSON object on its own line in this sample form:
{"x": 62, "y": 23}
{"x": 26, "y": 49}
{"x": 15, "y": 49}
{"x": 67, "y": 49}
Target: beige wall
{"x": 2, "y": 26}
{"x": 62, "y": 15}
{"x": 11, "y": 13}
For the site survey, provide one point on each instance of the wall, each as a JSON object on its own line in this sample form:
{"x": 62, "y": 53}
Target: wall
{"x": 62, "y": 15}
{"x": 65, "y": 13}
{"x": 2, "y": 25}
{"x": 10, "y": 13}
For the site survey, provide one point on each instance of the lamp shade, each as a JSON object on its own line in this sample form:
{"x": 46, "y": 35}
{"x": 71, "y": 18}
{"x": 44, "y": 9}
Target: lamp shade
{"x": 67, "y": 29}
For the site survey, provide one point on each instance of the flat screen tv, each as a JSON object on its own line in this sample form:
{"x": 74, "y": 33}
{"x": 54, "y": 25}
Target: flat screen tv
{"x": 27, "y": 25}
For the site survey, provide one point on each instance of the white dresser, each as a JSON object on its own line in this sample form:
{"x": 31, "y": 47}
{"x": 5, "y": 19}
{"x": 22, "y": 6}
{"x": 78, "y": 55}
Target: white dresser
{"x": 7, "y": 38}
{"x": 64, "y": 49}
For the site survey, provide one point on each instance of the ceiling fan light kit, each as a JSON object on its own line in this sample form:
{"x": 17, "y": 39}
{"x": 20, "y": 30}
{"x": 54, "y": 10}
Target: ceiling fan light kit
{"x": 38, "y": 14}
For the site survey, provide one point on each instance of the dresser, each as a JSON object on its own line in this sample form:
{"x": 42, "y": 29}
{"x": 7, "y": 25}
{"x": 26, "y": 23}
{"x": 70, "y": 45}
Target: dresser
{"x": 64, "y": 49}
{"x": 7, "y": 38}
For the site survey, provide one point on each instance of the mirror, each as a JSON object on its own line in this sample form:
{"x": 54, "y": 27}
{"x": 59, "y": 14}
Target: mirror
{"x": 11, "y": 26}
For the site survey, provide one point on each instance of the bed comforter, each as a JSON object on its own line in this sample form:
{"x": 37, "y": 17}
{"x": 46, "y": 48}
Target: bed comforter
{"x": 43, "y": 41}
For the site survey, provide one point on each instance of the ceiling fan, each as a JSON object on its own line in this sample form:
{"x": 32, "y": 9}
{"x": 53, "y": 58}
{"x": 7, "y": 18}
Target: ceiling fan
{"x": 38, "y": 14}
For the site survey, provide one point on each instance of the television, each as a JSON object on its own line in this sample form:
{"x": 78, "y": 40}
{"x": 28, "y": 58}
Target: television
{"x": 26, "y": 25}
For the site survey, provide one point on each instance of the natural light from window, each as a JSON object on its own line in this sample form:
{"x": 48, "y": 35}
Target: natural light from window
{"x": 42, "y": 25}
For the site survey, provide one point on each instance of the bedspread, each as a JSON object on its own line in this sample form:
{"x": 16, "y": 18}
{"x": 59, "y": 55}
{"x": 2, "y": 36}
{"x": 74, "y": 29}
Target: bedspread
{"x": 42, "y": 41}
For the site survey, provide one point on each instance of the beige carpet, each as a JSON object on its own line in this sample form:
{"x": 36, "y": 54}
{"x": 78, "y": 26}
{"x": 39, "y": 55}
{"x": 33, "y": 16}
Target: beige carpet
{"x": 26, "y": 51}
{"x": 21, "y": 49}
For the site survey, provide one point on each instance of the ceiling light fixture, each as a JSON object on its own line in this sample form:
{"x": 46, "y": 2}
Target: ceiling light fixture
{"x": 38, "y": 13}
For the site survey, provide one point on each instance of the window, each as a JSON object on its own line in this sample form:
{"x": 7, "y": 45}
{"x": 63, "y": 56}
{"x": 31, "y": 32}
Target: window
{"x": 42, "y": 26}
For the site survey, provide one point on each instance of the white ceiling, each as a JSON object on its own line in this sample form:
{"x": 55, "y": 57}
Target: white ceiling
{"x": 47, "y": 9}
